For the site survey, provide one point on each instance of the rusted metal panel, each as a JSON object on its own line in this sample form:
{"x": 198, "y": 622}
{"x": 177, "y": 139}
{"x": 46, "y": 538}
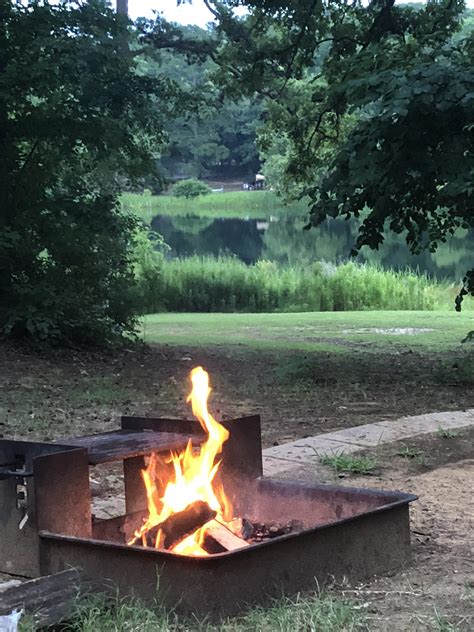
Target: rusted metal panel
{"x": 241, "y": 454}
{"x": 224, "y": 584}
{"x": 62, "y": 491}
{"x": 18, "y": 547}
{"x": 370, "y": 537}
{"x": 135, "y": 492}
{"x": 55, "y": 486}
{"x": 313, "y": 504}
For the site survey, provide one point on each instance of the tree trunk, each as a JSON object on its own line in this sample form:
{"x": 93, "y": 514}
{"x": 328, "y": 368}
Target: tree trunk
{"x": 5, "y": 184}
{"x": 122, "y": 10}
{"x": 122, "y": 7}
{"x": 5, "y": 218}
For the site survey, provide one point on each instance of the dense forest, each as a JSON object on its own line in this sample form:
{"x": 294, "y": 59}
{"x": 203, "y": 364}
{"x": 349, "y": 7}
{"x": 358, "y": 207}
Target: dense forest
{"x": 217, "y": 139}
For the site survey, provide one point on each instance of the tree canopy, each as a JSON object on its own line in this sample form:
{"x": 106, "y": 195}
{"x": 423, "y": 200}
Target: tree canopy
{"x": 215, "y": 137}
{"x": 75, "y": 119}
{"x": 370, "y": 108}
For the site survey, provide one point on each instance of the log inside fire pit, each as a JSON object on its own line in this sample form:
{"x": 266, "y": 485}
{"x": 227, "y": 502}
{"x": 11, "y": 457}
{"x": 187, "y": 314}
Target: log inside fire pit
{"x": 219, "y": 539}
{"x": 181, "y": 524}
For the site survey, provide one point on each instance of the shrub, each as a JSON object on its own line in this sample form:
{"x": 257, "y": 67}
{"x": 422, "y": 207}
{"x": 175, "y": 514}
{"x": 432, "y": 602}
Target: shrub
{"x": 148, "y": 257}
{"x": 79, "y": 289}
{"x": 80, "y": 122}
{"x": 190, "y": 188}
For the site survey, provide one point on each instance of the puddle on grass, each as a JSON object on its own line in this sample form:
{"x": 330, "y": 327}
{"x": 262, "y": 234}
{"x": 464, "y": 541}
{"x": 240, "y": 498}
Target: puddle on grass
{"x": 392, "y": 331}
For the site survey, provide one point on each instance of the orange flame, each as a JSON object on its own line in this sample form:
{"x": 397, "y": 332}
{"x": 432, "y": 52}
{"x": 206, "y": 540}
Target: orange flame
{"x": 194, "y": 473}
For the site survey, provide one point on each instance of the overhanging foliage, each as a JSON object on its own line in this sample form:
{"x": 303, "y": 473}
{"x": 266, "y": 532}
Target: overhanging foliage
{"x": 75, "y": 120}
{"x": 374, "y": 103}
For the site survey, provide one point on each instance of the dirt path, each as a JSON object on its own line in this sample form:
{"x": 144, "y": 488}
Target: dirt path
{"x": 437, "y": 590}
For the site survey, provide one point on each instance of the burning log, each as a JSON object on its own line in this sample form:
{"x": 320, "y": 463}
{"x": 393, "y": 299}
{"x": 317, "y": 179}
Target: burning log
{"x": 219, "y": 539}
{"x": 181, "y": 524}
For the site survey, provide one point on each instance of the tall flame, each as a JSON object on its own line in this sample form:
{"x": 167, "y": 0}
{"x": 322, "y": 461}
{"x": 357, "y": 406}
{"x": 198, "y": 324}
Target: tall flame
{"x": 193, "y": 475}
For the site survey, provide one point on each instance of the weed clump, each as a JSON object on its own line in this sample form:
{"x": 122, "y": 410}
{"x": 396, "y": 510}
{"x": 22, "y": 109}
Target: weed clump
{"x": 348, "y": 464}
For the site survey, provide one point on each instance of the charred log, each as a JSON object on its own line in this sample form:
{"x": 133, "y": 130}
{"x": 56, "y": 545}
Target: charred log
{"x": 241, "y": 527}
{"x": 181, "y": 524}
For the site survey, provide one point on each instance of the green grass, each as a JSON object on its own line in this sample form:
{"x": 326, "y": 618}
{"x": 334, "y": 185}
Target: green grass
{"x": 237, "y": 204}
{"x": 440, "y": 623}
{"x": 445, "y": 433}
{"x": 98, "y": 392}
{"x": 455, "y": 371}
{"x": 346, "y": 332}
{"x": 414, "y": 454}
{"x": 207, "y": 284}
{"x": 324, "y": 612}
{"x": 409, "y": 452}
{"x": 346, "y": 463}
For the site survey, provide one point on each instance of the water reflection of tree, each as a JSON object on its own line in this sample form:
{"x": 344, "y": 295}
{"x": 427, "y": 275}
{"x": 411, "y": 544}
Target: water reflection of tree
{"x": 285, "y": 241}
{"x": 456, "y": 254}
{"x": 188, "y": 236}
{"x": 450, "y": 261}
{"x": 191, "y": 225}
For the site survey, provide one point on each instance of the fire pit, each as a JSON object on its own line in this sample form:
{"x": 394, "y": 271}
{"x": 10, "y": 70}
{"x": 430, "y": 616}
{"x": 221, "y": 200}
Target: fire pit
{"x": 200, "y": 519}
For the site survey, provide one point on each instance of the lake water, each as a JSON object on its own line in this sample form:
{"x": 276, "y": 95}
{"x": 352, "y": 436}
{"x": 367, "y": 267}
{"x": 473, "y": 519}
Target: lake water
{"x": 282, "y": 239}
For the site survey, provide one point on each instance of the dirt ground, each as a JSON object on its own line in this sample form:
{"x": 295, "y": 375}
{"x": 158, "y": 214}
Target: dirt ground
{"x": 60, "y": 394}
{"x": 436, "y": 592}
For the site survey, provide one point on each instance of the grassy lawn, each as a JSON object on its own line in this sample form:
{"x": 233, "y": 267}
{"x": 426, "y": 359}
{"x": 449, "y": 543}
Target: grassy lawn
{"x": 312, "y": 372}
{"x": 324, "y": 613}
{"x": 236, "y": 204}
{"x": 338, "y": 332}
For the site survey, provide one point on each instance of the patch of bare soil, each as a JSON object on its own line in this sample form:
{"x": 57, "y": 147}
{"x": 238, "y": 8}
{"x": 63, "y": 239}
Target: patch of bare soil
{"x": 436, "y": 592}
{"x": 61, "y": 394}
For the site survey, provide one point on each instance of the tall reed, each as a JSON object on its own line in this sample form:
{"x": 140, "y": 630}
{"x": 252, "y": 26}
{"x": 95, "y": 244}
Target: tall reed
{"x": 225, "y": 284}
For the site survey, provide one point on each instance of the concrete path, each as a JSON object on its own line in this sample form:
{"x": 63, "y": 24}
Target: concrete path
{"x": 301, "y": 458}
